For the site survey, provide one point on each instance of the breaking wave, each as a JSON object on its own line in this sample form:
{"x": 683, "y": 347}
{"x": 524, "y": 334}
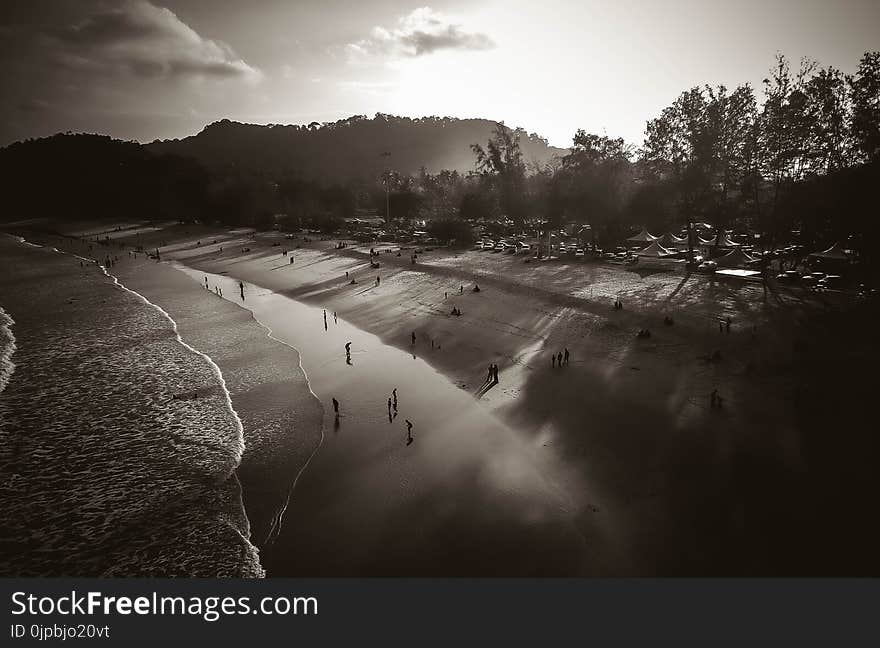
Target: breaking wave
{"x": 7, "y": 348}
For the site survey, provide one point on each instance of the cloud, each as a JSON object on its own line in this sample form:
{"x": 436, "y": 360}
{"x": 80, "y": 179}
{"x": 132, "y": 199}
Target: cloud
{"x": 147, "y": 41}
{"x": 421, "y": 32}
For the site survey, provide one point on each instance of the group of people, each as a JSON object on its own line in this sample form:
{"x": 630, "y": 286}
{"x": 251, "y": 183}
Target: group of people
{"x": 618, "y": 305}
{"x": 217, "y": 289}
{"x": 724, "y": 325}
{"x": 560, "y": 359}
{"x": 392, "y": 414}
{"x": 492, "y": 378}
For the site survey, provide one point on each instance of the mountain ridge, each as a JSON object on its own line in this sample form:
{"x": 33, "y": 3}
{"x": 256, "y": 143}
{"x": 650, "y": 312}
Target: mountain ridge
{"x": 351, "y": 149}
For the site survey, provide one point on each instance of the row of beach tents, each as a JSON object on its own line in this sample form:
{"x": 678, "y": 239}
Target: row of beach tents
{"x": 658, "y": 248}
{"x": 670, "y": 240}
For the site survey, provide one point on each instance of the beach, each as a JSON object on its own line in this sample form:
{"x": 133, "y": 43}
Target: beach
{"x": 613, "y": 464}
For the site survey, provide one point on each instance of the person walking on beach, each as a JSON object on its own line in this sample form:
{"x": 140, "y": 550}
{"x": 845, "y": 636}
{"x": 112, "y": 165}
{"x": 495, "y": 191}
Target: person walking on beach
{"x": 325, "y": 319}
{"x": 336, "y": 407}
{"x": 489, "y": 375}
{"x": 389, "y": 407}
{"x": 394, "y": 395}
{"x": 559, "y": 359}
{"x": 413, "y": 337}
{"x": 409, "y": 437}
{"x": 566, "y": 357}
{"x": 348, "y": 348}
{"x": 206, "y": 283}
{"x": 335, "y": 321}
{"x": 495, "y": 374}
{"x": 378, "y": 280}
{"x": 728, "y": 323}
{"x": 241, "y": 288}
{"x": 461, "y": 289}
{"x": 553, "y": 360}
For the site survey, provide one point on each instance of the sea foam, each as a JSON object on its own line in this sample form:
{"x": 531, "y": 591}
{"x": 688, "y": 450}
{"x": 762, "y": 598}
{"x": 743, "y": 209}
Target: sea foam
{"x": 7, "y": 348}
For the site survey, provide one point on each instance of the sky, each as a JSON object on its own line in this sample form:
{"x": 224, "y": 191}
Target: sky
{"x": 144, "y": 70}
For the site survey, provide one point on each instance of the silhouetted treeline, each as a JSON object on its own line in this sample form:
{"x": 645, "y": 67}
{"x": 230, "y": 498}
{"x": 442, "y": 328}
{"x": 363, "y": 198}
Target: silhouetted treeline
{"x": 804, "y": 159}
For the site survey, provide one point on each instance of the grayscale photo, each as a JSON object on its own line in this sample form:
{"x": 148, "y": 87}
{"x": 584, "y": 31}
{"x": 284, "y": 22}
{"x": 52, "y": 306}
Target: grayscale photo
{"x": 484, "y": 288}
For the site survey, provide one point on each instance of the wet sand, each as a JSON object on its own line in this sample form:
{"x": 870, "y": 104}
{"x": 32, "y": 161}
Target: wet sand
{"x": 466, "y": 497}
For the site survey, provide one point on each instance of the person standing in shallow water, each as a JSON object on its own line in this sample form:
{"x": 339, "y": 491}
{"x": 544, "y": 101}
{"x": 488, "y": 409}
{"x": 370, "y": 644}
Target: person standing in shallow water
{"x": 241, "y": 289}
{"x": 336, "y": 407}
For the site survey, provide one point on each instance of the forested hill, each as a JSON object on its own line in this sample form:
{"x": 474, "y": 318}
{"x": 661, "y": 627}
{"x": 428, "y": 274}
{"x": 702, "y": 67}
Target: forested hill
{"x": 351, "y": 149}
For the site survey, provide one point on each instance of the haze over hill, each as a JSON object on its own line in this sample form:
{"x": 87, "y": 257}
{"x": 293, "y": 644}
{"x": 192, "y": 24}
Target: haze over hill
{"x": 350, "y": 149}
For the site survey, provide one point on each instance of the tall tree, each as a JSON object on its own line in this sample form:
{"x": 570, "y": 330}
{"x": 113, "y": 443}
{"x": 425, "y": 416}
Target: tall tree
{"x": 500, "y": 163}
{"x": 865, "y": 94}
{"x": 785, "y": 133}
{"x": 828, "y": 108}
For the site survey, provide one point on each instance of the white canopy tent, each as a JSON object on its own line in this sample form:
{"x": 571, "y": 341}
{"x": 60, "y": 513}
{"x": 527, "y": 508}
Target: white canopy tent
{"x": 671, "y": 240}
{"x": 642, "y": 237}
{"x": 723, "y": 241}
{"x": 735, "y": 259}
{"x": 834, "y": 253}
{"x": 655, "y": 251}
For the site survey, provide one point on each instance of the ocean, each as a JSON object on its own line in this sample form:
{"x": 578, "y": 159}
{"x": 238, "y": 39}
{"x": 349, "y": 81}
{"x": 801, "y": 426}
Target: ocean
{"x": 118, "y": 442}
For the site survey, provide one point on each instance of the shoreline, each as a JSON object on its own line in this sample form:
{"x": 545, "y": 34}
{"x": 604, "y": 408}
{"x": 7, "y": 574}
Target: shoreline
{"x": 280, "y": 414}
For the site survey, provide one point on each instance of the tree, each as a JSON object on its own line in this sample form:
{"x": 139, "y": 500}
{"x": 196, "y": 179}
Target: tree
{"x": 476, "y": 205}
{"x": 593, "y": 183}
{"x": 785, "y": 131}
{"x": 865, "y": 95}
{"x": 501, "y": 165}
{"x": 828, "y": 108}
{"x": 702, "y": 148}
{"x": 447, "y": 230}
